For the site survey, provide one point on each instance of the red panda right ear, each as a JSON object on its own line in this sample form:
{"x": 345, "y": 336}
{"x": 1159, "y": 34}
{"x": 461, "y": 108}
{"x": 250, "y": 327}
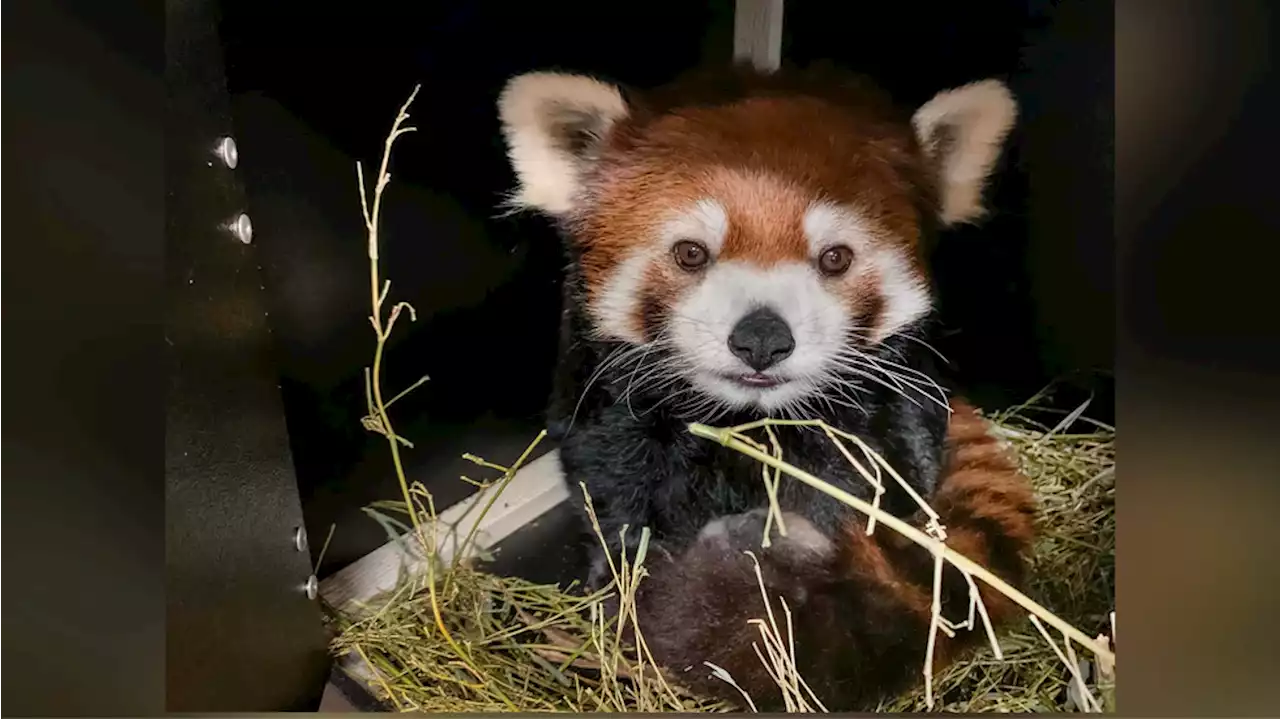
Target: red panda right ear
{"x": 962, "y": 131}
{"x": 552, "y": 123}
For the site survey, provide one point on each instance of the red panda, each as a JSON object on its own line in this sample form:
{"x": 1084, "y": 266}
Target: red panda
{"x": 745, "y": 245}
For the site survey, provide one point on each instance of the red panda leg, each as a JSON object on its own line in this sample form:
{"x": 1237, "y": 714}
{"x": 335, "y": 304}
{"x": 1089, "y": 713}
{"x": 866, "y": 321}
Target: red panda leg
{"x": 860, "y": 607}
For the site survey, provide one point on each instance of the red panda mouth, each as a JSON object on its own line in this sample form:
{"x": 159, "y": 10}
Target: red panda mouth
{"x": 755, "y": 380}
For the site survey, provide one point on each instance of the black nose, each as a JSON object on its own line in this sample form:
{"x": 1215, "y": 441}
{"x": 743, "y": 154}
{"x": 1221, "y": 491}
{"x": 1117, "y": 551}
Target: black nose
{"x": 761, "y": 339}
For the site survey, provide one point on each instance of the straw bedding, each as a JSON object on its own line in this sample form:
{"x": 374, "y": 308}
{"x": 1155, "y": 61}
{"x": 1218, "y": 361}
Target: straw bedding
{"x": 510, "y": 645}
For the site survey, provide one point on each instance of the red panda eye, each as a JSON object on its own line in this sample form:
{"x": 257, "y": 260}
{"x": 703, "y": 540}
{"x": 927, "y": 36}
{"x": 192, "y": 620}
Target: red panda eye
{"x": 835, "y": 261}
{"x": 690, "y": 255}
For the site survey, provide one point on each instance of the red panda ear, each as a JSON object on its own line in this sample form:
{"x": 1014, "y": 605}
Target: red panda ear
{"x": 962, "y": 131}
{"x": 552, "y": 124}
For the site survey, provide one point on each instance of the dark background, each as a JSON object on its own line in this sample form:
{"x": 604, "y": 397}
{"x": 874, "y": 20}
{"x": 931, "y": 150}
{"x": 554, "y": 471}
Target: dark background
{"x": 1027, "y": 297}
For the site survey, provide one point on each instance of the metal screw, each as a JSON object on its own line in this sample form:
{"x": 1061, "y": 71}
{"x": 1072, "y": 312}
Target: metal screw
{"x": 312, "y": 587}
{"x": 300, "y": 539}
{"x": 228, "y": 152}
{"x": 242, "y": 228}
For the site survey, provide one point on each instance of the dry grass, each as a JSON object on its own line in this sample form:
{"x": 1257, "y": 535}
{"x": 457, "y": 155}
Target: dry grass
{"x": 535, "y": 647}
{"x": 548, "y": 649}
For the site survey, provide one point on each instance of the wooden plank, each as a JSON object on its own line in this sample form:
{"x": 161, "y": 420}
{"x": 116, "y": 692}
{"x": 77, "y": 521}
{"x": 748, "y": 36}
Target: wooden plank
{"x": 535, "y": 489}
{"x": 757, "y": 33}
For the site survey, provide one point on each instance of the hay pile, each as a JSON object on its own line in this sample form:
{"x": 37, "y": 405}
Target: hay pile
{"x": 504, "y": 644}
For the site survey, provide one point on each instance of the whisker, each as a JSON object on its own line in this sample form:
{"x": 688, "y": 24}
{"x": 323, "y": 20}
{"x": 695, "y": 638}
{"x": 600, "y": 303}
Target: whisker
{"x": 845, "y": 400}
{"x": 923, "y": 386}
{"x": 859, "y": 333}
{"x": 664, "y": 380}
{"x": 923, "y": 343}
{"x": 902, "y": 367}
{"x": 881, "y": 382}
{"x": 627, "y": 393}
{"x": 611, "y": 358}
{"x": 862, "y": 335}
{"x": 849, "y": 360}
{"x": 670, "y": 395}
{"x": 919, "y": 381}
{"x": 926, "y": 386}
{"x": 618, "y": 357}
{"x": 839, "y": 385}
{"x": 883, "y": 379}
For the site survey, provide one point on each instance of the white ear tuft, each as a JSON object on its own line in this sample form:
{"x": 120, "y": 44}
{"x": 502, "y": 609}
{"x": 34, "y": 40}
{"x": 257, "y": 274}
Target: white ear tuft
{"x": 552, "y": 123}
{"x": 962, "y": 131}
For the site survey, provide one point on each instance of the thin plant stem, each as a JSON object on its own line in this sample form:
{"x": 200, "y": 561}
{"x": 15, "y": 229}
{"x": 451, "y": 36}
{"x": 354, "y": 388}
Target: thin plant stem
{"x": 377, "y": 295}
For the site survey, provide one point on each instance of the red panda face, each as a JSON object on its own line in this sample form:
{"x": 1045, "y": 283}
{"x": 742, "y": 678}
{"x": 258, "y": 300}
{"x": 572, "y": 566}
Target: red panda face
{"x": 766, "y": 242}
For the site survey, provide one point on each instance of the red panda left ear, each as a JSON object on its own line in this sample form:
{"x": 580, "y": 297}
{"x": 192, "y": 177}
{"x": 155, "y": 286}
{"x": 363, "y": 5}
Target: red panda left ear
{"x": 552, "y": 124}
{"x": 962, "y": 131}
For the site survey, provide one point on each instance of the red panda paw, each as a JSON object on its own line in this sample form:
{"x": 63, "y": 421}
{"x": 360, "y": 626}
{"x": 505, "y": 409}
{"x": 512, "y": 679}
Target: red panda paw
{"x": 803, "y": 542}
{"x": 697, "y": 609}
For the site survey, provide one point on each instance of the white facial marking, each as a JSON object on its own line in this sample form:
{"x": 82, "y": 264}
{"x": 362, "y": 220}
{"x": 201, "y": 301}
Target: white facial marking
{"x": 616, "y": 307}
{"x": 906, "y": 297}
{"x": 826, "y": 225}
{"x": 706, "y": 222}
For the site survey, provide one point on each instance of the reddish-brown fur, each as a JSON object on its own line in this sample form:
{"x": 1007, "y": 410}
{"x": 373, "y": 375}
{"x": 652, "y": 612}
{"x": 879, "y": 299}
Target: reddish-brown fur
{"x": 765, "y": 147}
{"x": 988, "y": 509}
{"x": 862, "y": 619}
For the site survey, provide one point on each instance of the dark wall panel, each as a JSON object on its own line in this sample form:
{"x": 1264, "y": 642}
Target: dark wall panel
{"x": 242, "y": 633}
